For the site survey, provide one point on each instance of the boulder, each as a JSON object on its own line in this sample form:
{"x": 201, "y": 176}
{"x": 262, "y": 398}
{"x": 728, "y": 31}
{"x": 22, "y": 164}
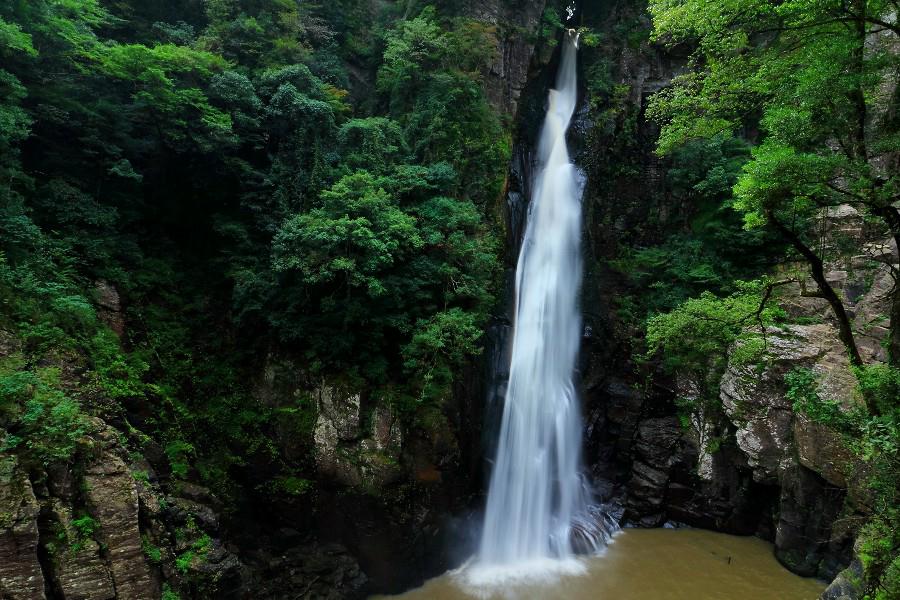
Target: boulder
{"x": 348, "y": 454}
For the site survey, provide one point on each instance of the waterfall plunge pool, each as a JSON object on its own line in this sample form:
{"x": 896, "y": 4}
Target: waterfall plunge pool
{"x": 649, "y": 564}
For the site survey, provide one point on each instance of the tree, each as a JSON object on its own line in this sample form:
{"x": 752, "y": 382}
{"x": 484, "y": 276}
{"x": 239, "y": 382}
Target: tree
{"x": 383, "y": 266}
{"x": 811, "y": 75}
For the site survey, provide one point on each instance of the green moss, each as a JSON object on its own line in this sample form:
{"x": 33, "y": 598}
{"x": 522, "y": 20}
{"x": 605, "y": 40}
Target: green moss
{"x": 150, "y": 550}
{"x": 84, "y": 527}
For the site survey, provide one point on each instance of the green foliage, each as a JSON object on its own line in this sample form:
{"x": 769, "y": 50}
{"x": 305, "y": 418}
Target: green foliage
{"x": 440, "y": 345}
{"x": 880, "y": 386}
{"x": 552, "y": 24}
{"x": 38, "y": 417}
{"x": 373, "y": 143}
{"x": 431, "y": 77}
{"x": 289, "y": 485}
{"x": 875, "y": 439}
{"x": 700, "y": 332}
{"x": 803, "y": 75}
{"x": 383, "y": 254}
{"x": 198, "y": 550}
{"x": 85, "y": 527}
{"x": 217, "y": 165}
{"x": 803, "y": 392}
{"x": 701, "y": 336}
{"x": 715, "y": 250}
{"x": 179, "y": 454}
{"x": 168, "y": 593}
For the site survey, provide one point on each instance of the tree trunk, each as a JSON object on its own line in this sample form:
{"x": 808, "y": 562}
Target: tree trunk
{"x": 817, "y": 269}
{"x": 894, "y": 340}
{"x": 891, "y": 216}
{"x": 857, "y": 95}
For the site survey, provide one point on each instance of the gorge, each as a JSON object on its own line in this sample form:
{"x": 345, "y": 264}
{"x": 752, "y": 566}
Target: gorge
{"x": 274, "y": 292}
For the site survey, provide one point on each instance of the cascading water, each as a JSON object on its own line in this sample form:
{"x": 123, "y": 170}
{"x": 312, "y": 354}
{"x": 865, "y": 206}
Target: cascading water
{"x": 538, "y": 504}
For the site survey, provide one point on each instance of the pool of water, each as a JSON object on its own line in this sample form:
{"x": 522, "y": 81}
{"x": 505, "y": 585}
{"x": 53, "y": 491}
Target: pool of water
{"x": 643, "y": 564}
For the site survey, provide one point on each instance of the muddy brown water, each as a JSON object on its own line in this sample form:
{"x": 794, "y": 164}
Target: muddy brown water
{"x": 653, "y": 564}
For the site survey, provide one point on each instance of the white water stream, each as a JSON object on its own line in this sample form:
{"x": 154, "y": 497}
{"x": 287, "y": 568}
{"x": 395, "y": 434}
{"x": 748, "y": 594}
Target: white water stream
{"x": 538, "y": 507}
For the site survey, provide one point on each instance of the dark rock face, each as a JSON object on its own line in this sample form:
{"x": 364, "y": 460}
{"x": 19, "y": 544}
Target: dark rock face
{"x": 804, "y": 538}
{"x": 98, "y": 529}
{"x": 307, "y": 571}
{"x": 384, "y": 489}
{"x": 515, "y": 22}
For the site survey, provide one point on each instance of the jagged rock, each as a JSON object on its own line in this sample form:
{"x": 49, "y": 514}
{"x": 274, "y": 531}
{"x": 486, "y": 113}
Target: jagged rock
{"x": 78, "y": 570}
{"x": 20, "y": 571}
{"x": 205, "y": 516}
{"x": 822, "y": 450}
{"x": 754, "y": 400}
{"x": 112, "y": 499}
{"x": 339, "y": 413}
{"x": 61, "y": 481}
{"x": 222, "y": 569}
{"x": 515, "y": 24}
{"x": 872, "y": 315}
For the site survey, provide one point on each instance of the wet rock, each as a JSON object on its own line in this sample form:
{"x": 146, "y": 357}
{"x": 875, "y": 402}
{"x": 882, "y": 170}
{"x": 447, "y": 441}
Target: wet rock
{"x": 655, "y": 451}
{"x": 20, "y": 571}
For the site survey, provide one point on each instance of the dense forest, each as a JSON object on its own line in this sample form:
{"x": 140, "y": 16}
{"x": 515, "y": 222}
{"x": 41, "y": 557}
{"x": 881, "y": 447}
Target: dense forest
{"x": 210, "y": 162}
{"x": 197, "y": 196}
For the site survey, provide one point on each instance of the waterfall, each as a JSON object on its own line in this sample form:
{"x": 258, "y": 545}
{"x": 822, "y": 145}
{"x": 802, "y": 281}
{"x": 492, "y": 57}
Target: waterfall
{"x": 538, "y": 505}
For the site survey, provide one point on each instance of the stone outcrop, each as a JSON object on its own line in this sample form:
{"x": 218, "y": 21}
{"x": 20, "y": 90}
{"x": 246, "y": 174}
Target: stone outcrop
{"x": 111, "y": 497}
{"x": 79, "y": 570}
{"x": 515, "y": 25}
{"x": 99, "y": 529}
{"x": 767, "y": 460}
{"x": 847, "y": 585}
{"x": 109, "y": 306}
{"x": 381, "y": 485}
{"x": 767, "y": 430}
{"x": 21, "y": 577}
{"x": 348, "y": 453}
